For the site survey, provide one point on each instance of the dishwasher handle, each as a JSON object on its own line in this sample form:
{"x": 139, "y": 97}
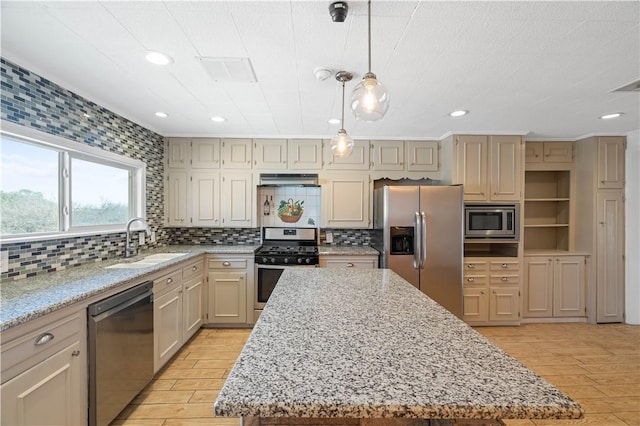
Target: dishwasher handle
{"x": 145, "y": 289}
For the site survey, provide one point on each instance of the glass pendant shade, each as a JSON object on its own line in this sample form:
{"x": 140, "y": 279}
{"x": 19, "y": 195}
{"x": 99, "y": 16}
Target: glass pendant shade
{"x": 369, "y": 99}
{"x": 341, "y": 144}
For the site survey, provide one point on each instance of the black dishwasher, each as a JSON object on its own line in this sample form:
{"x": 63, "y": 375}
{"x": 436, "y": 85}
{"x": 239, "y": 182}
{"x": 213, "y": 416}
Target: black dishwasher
{"x": 120, "y": 351}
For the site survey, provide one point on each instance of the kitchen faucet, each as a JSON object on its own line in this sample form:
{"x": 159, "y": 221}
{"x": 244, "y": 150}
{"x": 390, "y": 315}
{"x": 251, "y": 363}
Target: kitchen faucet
{"x": 128, "y": 250}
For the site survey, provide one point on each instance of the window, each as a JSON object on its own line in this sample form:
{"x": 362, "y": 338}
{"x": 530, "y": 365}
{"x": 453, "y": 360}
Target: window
{"x": 52, "y": 187}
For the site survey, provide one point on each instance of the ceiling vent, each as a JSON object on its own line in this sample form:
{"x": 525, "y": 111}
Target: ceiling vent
{"x": 237, "y": 70}
{"x": 631, "y": 87}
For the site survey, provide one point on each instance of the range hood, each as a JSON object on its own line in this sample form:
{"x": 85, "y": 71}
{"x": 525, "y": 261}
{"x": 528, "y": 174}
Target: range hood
{"x": 288, "y": 179}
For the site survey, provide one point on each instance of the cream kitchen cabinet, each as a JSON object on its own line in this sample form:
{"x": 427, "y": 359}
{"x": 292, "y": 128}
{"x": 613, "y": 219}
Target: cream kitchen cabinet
{"x": 205, "y": 199}
{"x": 422, "y": 156}
{"x": 270, "y": 154}
{"x": 238, "y": 200}
{"x": 44, "y": 371}
{"x": 357, "y": 160}
{"x": 177, "y": 198}
{"x": 237, "y": 153}
{"x": 197, "y": 153}
{"x": 230, "y": 284}
{"x": 346, "y": 200}
{"x": 491, "y": 293}
{"x": 548, "y": 152}
{"x": 351, "y": 261}
{"x": 611, "y": 162}
{"x": 387, "y": 155}
{"x": 489, "y": 167}
{"x": 193, "y": 299}
{"x": 178, "y": 153}
{"x": 554, "y": 286}
{"x": 305, "y": 154}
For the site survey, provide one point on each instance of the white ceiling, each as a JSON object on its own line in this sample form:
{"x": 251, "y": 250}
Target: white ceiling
{"x": 545, "y": 69}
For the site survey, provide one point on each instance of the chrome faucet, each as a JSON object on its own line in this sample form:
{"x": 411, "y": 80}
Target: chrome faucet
{"x": 128, "y": 250}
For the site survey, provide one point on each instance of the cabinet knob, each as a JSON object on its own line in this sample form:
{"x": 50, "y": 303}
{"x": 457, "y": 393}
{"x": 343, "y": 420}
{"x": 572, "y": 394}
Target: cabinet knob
{"x": 194, "y": 268}
{"x": 482, "y": 292}
{"x": 471, "y": 279}
{"x": 226, "y": 264}
{"x": 75, "y": 353}
{"x": 504, "y": 266}
{"x": 169, "y": 280}
{"x": 505, "y": 279}
{"x": 43, "y": 339}
{"x": 471, "y": 265}
{"x": 350, "y": 265}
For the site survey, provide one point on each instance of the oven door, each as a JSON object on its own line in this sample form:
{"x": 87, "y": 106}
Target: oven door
{"x": 265, "y": 281}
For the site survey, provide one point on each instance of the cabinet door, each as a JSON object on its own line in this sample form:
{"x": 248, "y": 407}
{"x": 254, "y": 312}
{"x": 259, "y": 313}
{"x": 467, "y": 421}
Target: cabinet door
{"x": 538, "y": 286}
{"x": 611, "y": 162}
{"x": 228, "y": 297}
{"x": 569, "y": 286}
{"x": 305, "y": 154}
{"x": 558, "y": 152}
{"x": 167, "y": 326}
{"x": 533, "y": 152}
{"x": 357, "y": 160}
{"x": 178, "y": 153}
{"x": 506, "y": 168}
{"x": 192, "y": 307}
{"x": 48, "y": 393}
{"x": 504, "y": 303}
{"x": 422, "y": 156}
{"x": 237, "y": 200}
{"x": 237, "y": 153}
{"x": 471, "y": 166}
{"x": 270, "y": 154}
{"x": 609, "y": 257}
{"x": 346, "y": 201}
{"x": 205, "y": 153}
{"x": 388, "y": 155}
{"x": 205, "y": 199}
{"x": 177, "y": 214}
{"x": 475, "y": 305}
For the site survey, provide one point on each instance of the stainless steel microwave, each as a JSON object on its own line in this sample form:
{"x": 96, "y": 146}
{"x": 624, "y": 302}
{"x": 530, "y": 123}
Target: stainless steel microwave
{"x": 492, "y": 221}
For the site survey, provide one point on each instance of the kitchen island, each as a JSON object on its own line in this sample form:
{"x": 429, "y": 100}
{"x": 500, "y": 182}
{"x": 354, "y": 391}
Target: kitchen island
{"x": 341, "y": 346}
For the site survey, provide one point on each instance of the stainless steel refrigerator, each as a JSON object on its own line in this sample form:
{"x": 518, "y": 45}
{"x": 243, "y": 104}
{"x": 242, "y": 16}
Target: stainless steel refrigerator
{"x": 421, "y": 238}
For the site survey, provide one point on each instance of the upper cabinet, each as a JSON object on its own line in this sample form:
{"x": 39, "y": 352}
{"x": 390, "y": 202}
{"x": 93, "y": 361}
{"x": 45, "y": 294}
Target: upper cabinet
{"x": 387, "y": 155}
{"x": 178, "y": 153}
{"x": 305, "y": 154}
{"x": 357, "y": 160}
{"x": 422, "y": 156}
{"x": 270, "y": 154}
{"x": 409, "y": 156}
{"x": 489, "y": 167}
{"x": 549, "y": 155}
{"x": 237, "y": 153}
{"x": 611, "y": 162}
{"x": 346, "y": 200}
{"x": 205, "y": 153}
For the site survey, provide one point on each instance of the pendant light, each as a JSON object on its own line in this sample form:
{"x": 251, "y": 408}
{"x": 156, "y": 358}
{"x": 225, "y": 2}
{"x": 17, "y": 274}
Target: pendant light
{"x": 369, "y": 99}
{"x": 342, "y": 144}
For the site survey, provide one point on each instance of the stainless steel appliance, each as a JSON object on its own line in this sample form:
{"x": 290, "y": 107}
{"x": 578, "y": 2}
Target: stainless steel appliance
{"x": 281, "y": 248}
{"x": 496, "y": 221}
{"x": 120, "y": 351}
{"x": 421, "y": 238}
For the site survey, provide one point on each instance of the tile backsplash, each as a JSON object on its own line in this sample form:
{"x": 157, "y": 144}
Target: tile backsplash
{"x": 289, "y": 206}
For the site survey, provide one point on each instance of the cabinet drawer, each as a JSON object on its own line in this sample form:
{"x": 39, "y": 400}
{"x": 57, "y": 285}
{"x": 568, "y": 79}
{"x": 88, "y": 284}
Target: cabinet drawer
{"x": 505, "y": 265}
{"x": 366, "y": 262}
{"x": 471, "y": 279}
{"x": 167, "y": 281}
{"x": 506, "y": 278}
{"x": 228, "y": 264}
{"x": 473, "y": 266}
{"x": 192, "y": 269}
{"x": 41, "y": 343}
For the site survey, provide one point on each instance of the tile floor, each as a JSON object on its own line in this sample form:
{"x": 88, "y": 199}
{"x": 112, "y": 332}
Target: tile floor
{"x": 598, "y": 365}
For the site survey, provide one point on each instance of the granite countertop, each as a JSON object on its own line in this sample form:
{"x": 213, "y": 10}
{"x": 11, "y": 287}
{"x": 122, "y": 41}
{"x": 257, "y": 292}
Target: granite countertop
{"x": 30, "y": 298}
{"x": 365, "y": 343}
{"x": 347, "y": 251}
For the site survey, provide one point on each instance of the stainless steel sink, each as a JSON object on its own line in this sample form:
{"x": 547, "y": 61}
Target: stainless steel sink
{"x": 150, "y": 260}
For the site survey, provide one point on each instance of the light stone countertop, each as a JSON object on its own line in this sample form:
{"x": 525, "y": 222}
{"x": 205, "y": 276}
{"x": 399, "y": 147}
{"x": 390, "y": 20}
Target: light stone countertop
{"x": 30, "y": 298}
{"x": 366, "y": 344}
{"x": 347, "y": 251}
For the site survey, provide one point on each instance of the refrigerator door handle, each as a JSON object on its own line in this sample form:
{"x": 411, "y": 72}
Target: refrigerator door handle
{"x": 417, "y": 252}
{"x": 423, "y": 239}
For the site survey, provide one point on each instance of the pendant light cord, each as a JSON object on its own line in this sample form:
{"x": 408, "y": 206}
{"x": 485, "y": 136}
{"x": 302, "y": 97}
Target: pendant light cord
{"x": 369, "y": 14}
{"x": 342, "y": 105}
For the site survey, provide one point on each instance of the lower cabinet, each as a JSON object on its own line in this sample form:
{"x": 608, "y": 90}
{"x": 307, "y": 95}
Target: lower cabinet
{"x": 491, "y": 293}
{"x": 360, "y": 261}
{"x": 554, "y": 286}
{"x": 230, "y": 290}
{"x": 46, "y": 374}
{"x": 178, "y": 310}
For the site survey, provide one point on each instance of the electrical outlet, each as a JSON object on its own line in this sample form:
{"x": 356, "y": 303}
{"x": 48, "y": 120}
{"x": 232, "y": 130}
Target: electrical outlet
{"x": 141, "y": 238}
{"x": 4, "y": 261}
{"x": 329, "y": 237}
{"x": 153, "y": 236}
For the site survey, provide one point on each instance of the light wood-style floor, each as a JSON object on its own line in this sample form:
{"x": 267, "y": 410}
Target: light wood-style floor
{"x": 597, "y": 365}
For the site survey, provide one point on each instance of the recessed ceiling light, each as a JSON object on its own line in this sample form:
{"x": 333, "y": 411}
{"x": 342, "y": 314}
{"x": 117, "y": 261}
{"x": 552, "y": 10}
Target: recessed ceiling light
{"x": 218, "y": 119}
{"x": 458, "y": 113}
{"x": 610, "y": 116}
{"x": 158, "y": 58}
{"x": 334, "y": 121}
{"x": 161, "y": 114}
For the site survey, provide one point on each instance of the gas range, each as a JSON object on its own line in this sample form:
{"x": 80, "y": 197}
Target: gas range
{"x": 288, "y": 246}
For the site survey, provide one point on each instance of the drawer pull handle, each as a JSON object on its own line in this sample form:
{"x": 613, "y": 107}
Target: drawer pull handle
{"x": 505, "y": 266}
{"x": 195, "y": 268}
{"x": 471, "y": 265}
{"x": 471, "y": 279}
{"x": 43, "y": 339}
{"x": 350, "y": 265}
{"x": 505, "y": 279}
{"x": 75, "y": 353}
{"x": 226, "y": 263}
{"x": 169, "y": 280}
